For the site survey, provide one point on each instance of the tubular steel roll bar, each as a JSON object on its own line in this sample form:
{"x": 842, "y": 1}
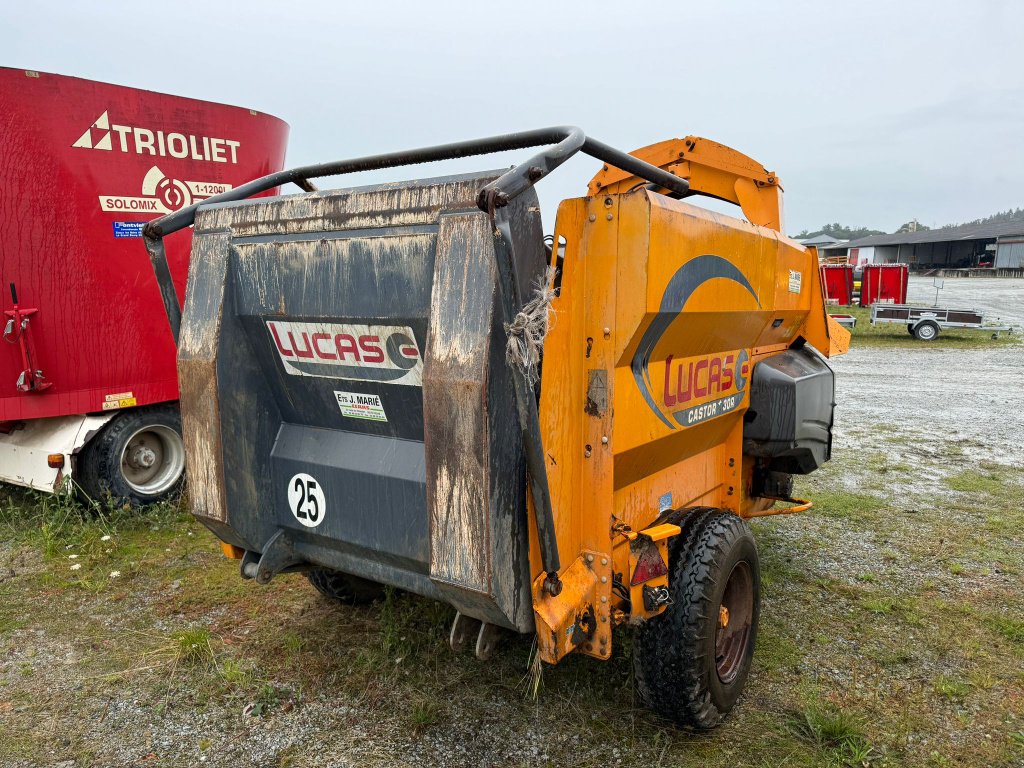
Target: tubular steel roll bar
{"x": 566, "y": 141}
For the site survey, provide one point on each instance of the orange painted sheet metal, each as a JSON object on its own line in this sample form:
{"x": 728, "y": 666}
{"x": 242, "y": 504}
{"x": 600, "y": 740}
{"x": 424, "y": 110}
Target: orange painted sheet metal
{"x": 664, "y": 310}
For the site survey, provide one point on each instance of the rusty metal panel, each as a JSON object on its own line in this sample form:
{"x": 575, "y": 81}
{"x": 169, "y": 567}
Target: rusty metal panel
{"x": 454, "y": 384}
{"x": 429, "y": 496}
{"x": 197, "y": 376}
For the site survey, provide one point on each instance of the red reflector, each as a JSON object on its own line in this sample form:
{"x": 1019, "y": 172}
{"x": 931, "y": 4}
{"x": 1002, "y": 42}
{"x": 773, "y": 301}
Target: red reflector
{"x": 649, "y": 565}
{"x": 55, "y": 460}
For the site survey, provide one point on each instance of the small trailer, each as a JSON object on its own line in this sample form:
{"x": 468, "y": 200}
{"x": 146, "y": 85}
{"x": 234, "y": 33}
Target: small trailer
{"x": 923, "y": 323}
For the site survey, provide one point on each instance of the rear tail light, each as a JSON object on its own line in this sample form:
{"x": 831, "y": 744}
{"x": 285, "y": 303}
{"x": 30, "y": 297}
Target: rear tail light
{"x": 649, "y": 565}
{"x": 55, "y": 461}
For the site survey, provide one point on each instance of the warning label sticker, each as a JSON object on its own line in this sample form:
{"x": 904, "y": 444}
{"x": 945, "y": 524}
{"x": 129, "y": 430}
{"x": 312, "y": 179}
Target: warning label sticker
{"x": 357, "y": 405}
{"x": 795, "y": 281}
{"x": 118, "y": 400}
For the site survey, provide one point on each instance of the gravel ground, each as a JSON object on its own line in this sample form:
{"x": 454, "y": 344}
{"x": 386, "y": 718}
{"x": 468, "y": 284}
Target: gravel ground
{"x": 970, "y": 396}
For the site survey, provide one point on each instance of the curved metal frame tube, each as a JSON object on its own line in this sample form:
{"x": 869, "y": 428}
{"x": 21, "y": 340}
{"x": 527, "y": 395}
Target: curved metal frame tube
{"x": 566, "y": 141}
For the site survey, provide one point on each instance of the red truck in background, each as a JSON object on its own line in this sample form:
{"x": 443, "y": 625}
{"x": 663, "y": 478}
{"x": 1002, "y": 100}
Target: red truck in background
{"x": 87, "y": 372}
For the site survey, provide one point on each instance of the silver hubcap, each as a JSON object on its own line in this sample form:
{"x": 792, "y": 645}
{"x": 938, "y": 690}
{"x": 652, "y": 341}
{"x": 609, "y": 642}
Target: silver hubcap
{"x": 153, "y": 459}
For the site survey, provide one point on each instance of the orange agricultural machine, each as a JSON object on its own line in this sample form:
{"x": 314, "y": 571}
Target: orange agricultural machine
{"x": 402, "y": 384}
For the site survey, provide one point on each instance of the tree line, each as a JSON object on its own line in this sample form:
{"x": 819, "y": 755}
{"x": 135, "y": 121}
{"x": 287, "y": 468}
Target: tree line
{"x": 843, "y": 232}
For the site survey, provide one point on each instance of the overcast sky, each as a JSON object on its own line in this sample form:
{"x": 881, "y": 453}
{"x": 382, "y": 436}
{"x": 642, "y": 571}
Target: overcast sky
{"x": 872, "y": 113}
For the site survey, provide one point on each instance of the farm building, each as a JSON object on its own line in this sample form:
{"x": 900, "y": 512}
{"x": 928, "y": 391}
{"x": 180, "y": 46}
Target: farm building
{"x": 822, "y": 241}
{"x": 999, "y": 245}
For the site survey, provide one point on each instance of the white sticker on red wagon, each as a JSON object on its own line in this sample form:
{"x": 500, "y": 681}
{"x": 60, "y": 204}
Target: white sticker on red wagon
{"x": 162, "y": 194}
{"x": 385, "y": 354}
{"x": 106, "y": 135}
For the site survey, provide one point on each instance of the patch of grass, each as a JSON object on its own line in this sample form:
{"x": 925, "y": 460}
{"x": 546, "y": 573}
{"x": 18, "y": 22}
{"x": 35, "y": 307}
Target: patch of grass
{"x": 193, "y": 647}
{"x": 10, "y": 620}
{"x": 837, "y": 735}
{"x": 775, "y": 648}
{"x": 974, "y": 481}
{"x": 1010, "y": 628}
{"x": 952, "y": 688}
{"x": 984, "y": 680}
{"x": 293, "y": 643}
{"x": 891, "y": 658}
{"x": 880, "y": 463}
{"x": 268, "y": 698}
{"x": 89, "y": 545}
{"x": 425, "y": 711}
{"x": 233, "y": 672}
{"x": 878, "y": 605}
{"x": 846, "y": 505}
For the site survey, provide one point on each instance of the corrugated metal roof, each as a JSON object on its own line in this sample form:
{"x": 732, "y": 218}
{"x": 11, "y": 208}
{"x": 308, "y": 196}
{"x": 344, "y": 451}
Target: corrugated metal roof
{"x": 820, "y": 240}
{"x": 963, "y": 232}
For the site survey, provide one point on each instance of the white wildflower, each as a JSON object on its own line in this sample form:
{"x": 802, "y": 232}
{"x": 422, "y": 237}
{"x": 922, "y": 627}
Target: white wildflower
{"x": 76, "y": 566}
{"x": 72, "y": 557}
{"x": 114, "y": 574}
{"x": 105, "y": 538}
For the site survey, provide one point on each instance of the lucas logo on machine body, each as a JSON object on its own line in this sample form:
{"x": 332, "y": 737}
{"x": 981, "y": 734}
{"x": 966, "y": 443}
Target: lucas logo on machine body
{"x": 700, "y": 388}
{"x": 381, "y": 353}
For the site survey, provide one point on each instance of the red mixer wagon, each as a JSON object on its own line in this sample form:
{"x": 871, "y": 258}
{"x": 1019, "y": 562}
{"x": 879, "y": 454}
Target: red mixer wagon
{"x": 88, "y": 385}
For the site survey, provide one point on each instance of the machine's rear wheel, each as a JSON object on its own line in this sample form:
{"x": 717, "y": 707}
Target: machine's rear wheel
{"x": 344, "y": 588}
{"x": 138, "y": 457}
{"x": 926, "y": 331}
{"x": 692, "y": 661}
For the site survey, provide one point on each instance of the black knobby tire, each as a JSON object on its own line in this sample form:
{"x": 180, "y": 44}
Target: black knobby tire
{"x": 344, "y": 588}
{"x": 114, "y": 462}
{"x": 688, "y": 667}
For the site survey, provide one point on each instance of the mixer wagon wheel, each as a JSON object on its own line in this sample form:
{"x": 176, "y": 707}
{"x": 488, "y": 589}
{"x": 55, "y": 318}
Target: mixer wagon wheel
{"x": 138, "y": 457}
{"x": 691, "y": 662}
{"x": 344, "y": 588}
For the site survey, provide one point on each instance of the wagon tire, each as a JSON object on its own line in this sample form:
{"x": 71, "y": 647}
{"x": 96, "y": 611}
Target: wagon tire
{"x": 350, "y": 590}
{"x": 910, "y": 329}
{"x": 926, "y": 331}
{"x": 138, "y": 457}
{"x": 691, "y": 662}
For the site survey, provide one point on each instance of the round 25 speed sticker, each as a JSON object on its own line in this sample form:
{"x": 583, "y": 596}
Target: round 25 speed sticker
{"x": 306, "y": 499}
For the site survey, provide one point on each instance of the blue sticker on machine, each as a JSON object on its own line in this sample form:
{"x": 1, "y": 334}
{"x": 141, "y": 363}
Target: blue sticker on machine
{"x": 128, "y": 228}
